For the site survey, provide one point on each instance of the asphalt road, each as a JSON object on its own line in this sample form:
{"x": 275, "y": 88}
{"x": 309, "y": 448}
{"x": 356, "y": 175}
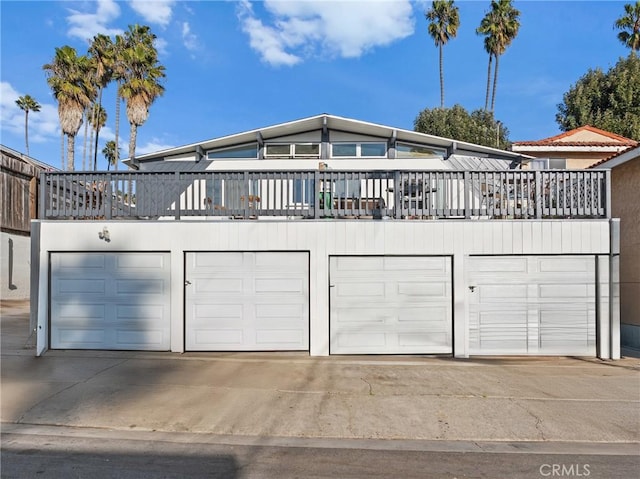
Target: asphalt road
{"x": 68, "y": 456}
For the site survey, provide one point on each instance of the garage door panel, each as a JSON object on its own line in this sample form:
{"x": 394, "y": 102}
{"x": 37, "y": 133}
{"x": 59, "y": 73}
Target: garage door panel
{"x": 566, "y": 291}
{"x": 428, "y": 339}
{"x": 134, "y": 339}
{"x": 427, "y": 266}
{"x": 278, "y": 310}
{"x": 217, "y": 286}
{"x": 105, "y": 301}
{"x": 364, "y": 341}
{"x": 406, "y": 309}
{"x": 352, "y": 265}
{"x": 137, "y": 262}
{"x": 276, "y": 337}
{"x": 501, "y": 292}
{"x": 564, "y": 265}
{"x": 80, "y": 286}
{"x": 421, "y": 289}
{"x": 88, "y": 338}
{"x": 72, "y": 262}
{"x": 220, "y": 337}
{"x": 251, "y": 301}
{"x": 355, "y": 291}
{"x": 279, "y": 285}
{"x": 533, "y": 310}
{"x": 141, "y": 313}
{"x": 139, "y": 287}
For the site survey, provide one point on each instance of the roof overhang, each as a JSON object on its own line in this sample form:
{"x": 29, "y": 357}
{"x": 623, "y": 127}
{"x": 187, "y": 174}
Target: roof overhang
{"x": 568, "y": 149}
{"x": 331, "y": 122}
{"x": 628, "y": 155}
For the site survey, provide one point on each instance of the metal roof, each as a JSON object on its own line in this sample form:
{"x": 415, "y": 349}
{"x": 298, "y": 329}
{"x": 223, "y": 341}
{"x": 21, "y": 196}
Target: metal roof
{"x": 462, "y": 162}
{"x": 331, "y": 122}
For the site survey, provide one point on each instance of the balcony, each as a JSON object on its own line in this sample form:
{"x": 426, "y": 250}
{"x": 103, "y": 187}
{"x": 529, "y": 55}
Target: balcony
{"x": 328, "y": 194}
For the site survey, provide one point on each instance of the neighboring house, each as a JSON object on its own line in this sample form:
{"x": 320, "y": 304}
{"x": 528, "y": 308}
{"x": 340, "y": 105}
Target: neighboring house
{"x": 18, "y": 201}
{"x": 574, "y": 149}
{"x": 332, "y": 236}
{"x": 625, "y": 204}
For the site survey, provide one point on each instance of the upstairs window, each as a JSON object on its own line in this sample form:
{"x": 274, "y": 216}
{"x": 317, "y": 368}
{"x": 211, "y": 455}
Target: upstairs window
{"x": 292, "y": 150}
{"x": 359, "y": 150}
{"x": 243, "y": 151}
{"x": 408, "y": 150}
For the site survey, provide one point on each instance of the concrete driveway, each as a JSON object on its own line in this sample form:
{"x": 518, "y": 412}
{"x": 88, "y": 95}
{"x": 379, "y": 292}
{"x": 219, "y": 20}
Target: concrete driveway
{"x": 294, "y": 395}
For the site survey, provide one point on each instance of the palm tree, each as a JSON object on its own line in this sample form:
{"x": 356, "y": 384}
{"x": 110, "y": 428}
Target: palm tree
{"x": 630, "y": 22}
{"x": 102, "y": 54}
{"x": 500, "y": 26}
{"x": 444, "y": 20}
{"x": 142, "y": 76}
{"x": 486, "y": 28}
{"x": 27, "y": 103}
{"x": 118, "y": 74}
{"x": 68, "y": 79}
{"x": 110, "y": 153}
{"x": 97, "y": 119}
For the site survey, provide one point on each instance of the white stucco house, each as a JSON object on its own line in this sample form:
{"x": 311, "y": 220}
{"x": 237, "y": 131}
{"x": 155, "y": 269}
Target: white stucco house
{"x": 329, "y": 235}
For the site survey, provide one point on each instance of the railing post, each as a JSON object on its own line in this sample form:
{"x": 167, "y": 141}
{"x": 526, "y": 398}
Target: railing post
{"x": 246, "y": 194}
{"x": 397, "y": 195}
{"x": 108, "y": 207}
{"x": 607, "y": 193}
{"x": 42, "y": 201}
{"x": 178, "y": 206}
{"x": 538, "y": 194}
{"x": 316, "y": 197}
{"x": 466, "y": 191}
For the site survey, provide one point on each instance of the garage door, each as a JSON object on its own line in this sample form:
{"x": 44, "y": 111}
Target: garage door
{"x": 532, "y": 305}
{"x": 110, "y": 301}
{"x": 247, "y": 301}
{"x": 390, "y": 305}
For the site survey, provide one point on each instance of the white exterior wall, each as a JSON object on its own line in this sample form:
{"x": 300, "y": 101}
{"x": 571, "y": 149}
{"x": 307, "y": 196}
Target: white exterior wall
{"x": 323, "y": 238}
{"x": 15, "y": 262}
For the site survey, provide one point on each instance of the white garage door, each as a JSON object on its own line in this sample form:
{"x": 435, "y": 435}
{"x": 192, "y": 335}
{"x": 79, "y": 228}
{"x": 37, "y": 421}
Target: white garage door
{"x": 390, "y": 305}
{"x": 247, "y": 301}
{"x": 532, "y": 305}
{"x": 110, "y": 301}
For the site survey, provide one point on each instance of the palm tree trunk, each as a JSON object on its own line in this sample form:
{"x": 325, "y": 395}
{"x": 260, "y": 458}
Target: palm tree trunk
{"x": 441, "y": 80}
{"x": 132, "y": 143}
{"x": 95, "y": 150}
{"x": 495, "y": 84}
{"x": 71, "y": 145}
{"x": 118, "y": 100}
{"x": 26, "y": 130}
{"x": 84, "y": 150}
{"x": 132, "y": 153}
{"x": 486, "y": 99}
{"x": 61, "y": 150}
{"x": 91, "y": 132}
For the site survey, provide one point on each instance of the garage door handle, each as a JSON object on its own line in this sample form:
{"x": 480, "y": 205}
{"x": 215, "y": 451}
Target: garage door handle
{"x": 332, "y": 285}
{"x": 472, "y": 288}
{"x": 187, "y": 282}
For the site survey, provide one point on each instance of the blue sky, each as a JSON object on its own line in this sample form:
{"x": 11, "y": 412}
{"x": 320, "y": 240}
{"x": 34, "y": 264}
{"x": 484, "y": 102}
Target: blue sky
{"x": 233, "y": 66}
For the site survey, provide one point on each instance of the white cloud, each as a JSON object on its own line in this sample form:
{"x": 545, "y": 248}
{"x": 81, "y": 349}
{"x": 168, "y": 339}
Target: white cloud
{"x": 156, "y": 11}
{"x": 43, "y": 125}
{"x": 161, "y": 45}
{"x": 348, "y": 29}
{"x": 155, "y": 144}
{"x": 189, "y": 39}
{"x": 86, "y": 25}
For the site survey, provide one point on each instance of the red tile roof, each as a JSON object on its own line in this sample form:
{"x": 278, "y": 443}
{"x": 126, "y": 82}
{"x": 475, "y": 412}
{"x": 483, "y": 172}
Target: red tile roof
{"x": 614, "y": 156}
{"x": 616, "y": 140}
